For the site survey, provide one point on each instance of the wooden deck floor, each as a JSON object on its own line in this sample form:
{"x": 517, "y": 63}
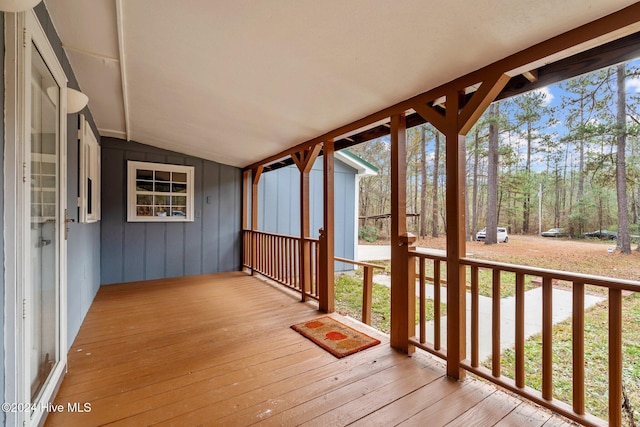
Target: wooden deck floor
{"x": 218, "y": 350}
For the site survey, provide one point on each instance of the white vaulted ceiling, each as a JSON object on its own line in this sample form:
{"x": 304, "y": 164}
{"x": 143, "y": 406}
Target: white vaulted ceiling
{"x": 236, "y": 81}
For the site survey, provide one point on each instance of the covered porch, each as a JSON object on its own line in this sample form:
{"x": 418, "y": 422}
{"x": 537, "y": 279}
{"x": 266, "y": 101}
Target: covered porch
{"x": 306, "y": 265}
{"x": 218, "y": 350}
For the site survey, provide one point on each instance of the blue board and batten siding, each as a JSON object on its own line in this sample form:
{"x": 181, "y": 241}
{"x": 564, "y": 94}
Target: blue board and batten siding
{"x": 133, "y": 251}
{"x": 279, "y": 205}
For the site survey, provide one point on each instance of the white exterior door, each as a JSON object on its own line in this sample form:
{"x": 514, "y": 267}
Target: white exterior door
{"x": 37, "y": 84}
{"x": 45, "y": 224}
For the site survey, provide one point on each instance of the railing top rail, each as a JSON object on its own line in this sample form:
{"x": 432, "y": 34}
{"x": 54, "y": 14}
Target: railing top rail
{"x": 360, "y": 263}
{"x": 274, "y": 234}
{"x": 608, "y": 282}
{"x": 437, "y": 254}
{"x": 286, "y": 236}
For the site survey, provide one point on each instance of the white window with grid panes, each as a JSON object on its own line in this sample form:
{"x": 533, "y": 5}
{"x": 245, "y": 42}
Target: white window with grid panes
{"x": 159, "y": 192}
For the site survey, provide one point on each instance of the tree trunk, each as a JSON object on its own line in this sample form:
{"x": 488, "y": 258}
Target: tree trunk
{"x": 491, "y": 235}
{"x": 423, "y": 186}
{"x": 638, "y": 208}
{"x": 474, "y": 206}
{"x": 581, "y": 145}
{"x": 624, "y": 243}
{"x": 436, "y": 161}
{"x": 526, "y": 208}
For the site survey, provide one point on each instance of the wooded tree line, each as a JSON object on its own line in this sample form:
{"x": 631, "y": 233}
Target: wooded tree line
{"x": 531, "y": 163}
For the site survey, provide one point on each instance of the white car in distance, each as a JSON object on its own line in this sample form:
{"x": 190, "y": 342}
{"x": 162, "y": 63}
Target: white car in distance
{"x": 503, "y": 236}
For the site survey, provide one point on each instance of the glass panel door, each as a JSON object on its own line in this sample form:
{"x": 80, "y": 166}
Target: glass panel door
{"x": 45, "y": 226}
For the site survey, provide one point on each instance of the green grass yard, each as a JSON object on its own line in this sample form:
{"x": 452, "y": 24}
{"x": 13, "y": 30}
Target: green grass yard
{"x": 348, "y": 292}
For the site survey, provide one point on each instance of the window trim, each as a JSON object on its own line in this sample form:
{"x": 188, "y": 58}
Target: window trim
{"x": 89, "y": 161}
{"x": 132, "y": 192}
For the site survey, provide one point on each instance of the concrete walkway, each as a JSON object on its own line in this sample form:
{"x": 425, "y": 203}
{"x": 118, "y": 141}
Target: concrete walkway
{"x": 374, "y": 252}
{"x": 562, "y": 309}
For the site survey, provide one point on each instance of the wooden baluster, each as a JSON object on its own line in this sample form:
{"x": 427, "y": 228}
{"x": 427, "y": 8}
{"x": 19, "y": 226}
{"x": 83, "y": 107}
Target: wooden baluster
{"x": 519, "y": 347}
{"x": 475, "y": 318}
{"x": 317, "y": 270}
{"x": 367, "y": 294}
{"x": 293, "y": 250}
{"x": 244, "y": 248}
{"x": 255, "y": 251}
{"x": 423, "y": 300}
{"x": 270, "y": 253}
{"x": 436, "y": 308}
{"x": 495, "y": 323}
{"x": 282, "y": 259}
{"x": 290, "y": 263}
{"x": 615, "y": 357}
{"x": 247, "y": 250}
{"x": 299, "y": 266}
{"x": 578, "y": 347}
{"x": 547, "y": 338}
{"x": 278, "y": 257}
{"x": 265, "y": 254}
{"x": 274, "y": 259}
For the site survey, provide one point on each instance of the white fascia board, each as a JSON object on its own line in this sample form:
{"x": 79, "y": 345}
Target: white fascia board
{"x": 362, "y": 168}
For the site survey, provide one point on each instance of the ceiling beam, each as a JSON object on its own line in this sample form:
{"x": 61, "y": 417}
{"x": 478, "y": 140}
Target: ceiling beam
{"x": 123, "y": 68}
{"x": 614, "y": 52}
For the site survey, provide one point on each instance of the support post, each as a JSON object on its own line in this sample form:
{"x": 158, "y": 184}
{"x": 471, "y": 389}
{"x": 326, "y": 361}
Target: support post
{"x": 402, "y": 286}
{"x": 460, "y": 116}
{"x": 326, "y": 292}
{"x": 305, "y": 160}
{"x": 456, "y": 244}
{"x": 255, "y": 177}
{"x": 305, "y": 246}
{"x": 246, "y": 177}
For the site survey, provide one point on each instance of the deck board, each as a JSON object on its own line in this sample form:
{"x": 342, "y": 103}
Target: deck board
{"x": 218, "y": 350}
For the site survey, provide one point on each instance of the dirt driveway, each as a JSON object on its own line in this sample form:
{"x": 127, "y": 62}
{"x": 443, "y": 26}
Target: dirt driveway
{"x": 580, "y": 256}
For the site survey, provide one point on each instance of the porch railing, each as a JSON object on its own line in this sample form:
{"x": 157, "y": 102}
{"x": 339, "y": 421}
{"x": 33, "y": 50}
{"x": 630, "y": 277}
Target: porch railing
{"x": 277, "y": 257}
{"x": 367, "y": 286}
{"x": 429, "y": 338}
